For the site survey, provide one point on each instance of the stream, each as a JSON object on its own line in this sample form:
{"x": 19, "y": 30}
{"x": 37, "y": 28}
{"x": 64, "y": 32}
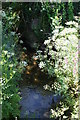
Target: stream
{"x": 36, "y": 101}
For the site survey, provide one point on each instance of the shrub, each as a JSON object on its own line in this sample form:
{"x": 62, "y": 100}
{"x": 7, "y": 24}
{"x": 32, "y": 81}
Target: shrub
{"x": 11, "y": 71}
{"x": 60, "y": 58}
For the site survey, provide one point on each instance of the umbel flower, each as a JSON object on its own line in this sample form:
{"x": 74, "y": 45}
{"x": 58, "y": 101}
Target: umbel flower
{"x": 41, "y": 64}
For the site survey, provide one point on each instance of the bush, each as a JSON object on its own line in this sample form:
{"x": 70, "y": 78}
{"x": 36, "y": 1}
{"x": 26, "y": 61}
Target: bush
{"x": 60, "y": 58}
{"x": 11, "y": 71}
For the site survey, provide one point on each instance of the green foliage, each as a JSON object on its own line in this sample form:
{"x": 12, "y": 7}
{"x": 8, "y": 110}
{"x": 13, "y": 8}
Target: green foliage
{"x": 70, "y": 11}
{"x": 11, "y": 73}
{"x": 43, "y": 12}
{"x": 63, "y": 14}
{"x": 61, "y": 61}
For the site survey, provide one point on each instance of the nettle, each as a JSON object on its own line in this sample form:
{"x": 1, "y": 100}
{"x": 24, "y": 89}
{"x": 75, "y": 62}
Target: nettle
{"x": 60, "y": 58}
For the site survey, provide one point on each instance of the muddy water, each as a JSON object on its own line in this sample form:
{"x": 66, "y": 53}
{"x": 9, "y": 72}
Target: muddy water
{"x": 36, "y": 101}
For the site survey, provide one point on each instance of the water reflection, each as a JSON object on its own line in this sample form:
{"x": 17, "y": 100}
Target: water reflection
{"x": 36, "y": 101}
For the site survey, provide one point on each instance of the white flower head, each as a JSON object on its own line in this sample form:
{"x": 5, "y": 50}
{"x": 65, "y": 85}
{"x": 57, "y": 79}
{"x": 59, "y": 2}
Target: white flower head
{"x": 55, "y": 31}
{"x": 72, "y": 23}
{"x": 51, "y": 52}
{"x": 14, "y": 71}
{"x": 41, "y": 64}
{"x": 5, "y": 52}
{"x": 69, "y": 23}
{"x": 13, "y": 33}
{"x": 39, "y": 51}
{"x": 46, "y": 42}
{"x": 3, "y": 13}
{"x": 24, "y": 63}
{"x": 68, "y": 31}
{"x": 11, "y": 65}
{"x": 21, "y": 41}
{"x": 53, "y": 37}
{"x": 12, "y": 53}
{"x": 24, "y": 48}
{"x": 58, "y": 27}
{"x": 46, "y": 87}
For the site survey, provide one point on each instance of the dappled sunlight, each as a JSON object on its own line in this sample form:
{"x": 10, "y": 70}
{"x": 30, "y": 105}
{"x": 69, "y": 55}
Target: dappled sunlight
{"x": 39, "y": 60}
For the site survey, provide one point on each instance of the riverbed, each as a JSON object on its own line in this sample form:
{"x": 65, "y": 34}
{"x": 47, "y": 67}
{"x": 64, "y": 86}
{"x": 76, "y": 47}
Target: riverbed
{"x": 35, "y": 100}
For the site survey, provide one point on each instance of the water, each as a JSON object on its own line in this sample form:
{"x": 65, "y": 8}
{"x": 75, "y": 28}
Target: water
{"x": 36, "y": 102}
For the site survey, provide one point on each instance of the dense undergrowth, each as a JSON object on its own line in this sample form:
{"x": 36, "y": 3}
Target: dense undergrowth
{"x": 11, "y": 69}
{"x": 62, "y": 62}
{"x": 58, "y": 58}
